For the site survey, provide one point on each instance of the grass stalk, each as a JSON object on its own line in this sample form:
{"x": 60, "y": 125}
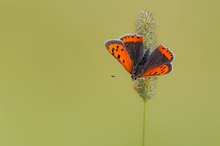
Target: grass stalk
{"x": 144, "y": 122}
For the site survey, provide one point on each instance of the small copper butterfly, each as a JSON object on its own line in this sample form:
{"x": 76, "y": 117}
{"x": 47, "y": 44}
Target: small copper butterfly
{"x": 129, "y": 51}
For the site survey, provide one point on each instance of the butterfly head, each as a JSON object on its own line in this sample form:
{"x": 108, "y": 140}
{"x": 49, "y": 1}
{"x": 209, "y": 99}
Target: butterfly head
{"x": 134, "y": 76}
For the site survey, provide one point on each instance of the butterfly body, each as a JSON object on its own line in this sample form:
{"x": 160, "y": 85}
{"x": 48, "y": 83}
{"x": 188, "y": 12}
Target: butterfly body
{"x": 129, "y": 51}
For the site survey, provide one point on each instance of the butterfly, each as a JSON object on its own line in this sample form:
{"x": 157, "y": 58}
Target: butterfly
{"x": 129, "y": 51}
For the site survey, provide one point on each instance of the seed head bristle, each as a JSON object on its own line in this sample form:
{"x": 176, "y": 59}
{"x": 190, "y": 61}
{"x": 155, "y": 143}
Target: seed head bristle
{"x": 145, "y": 26}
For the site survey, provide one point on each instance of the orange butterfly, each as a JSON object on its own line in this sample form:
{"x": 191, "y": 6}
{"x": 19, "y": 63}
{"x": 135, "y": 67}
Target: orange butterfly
{"x": 129, "y": 51}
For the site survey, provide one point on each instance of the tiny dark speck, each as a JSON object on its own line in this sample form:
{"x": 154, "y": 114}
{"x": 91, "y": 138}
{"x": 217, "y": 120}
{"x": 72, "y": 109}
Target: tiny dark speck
{"x": 122, "y": 49}
{"x": 123, "y": 61}
{"x": 117, "y": 46}
{"x": 132, "y": 36}
{"x": 118, "y": 56}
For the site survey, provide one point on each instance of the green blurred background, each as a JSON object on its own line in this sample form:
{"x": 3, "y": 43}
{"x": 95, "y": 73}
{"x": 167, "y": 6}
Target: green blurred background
{"x": 55, "y": 74}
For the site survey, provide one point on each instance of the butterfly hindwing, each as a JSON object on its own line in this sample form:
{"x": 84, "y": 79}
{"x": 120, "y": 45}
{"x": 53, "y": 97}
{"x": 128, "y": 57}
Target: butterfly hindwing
{"x": 118, "y": 50}
{"x": 159, "y": 70}
{"x": 135, "y": 47}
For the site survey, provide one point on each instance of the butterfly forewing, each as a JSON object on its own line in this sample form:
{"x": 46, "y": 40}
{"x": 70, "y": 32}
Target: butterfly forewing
{"x": 134, "y": 45}
{"x": 159, "y": 56}
{"x": 118, "y": 50}
{"x": 166, "y": 52}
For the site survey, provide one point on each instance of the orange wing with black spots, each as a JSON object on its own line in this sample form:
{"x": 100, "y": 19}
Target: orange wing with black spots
{"x": 161, "y": 55}
{"x": 160, "y": 70}
{"x": 166, "y": 52}
{"x": 135, "y": 46}
{"x": 132, "y": 38}
{"x": 158, "y": 63}
{"x": 118, "y": 50}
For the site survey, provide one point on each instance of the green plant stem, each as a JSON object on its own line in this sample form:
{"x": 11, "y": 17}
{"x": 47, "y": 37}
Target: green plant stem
{"x": 144, "y": 121}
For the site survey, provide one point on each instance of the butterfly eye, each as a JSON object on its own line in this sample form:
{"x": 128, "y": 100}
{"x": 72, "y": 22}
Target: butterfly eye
{"x": 133, "y": 77}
